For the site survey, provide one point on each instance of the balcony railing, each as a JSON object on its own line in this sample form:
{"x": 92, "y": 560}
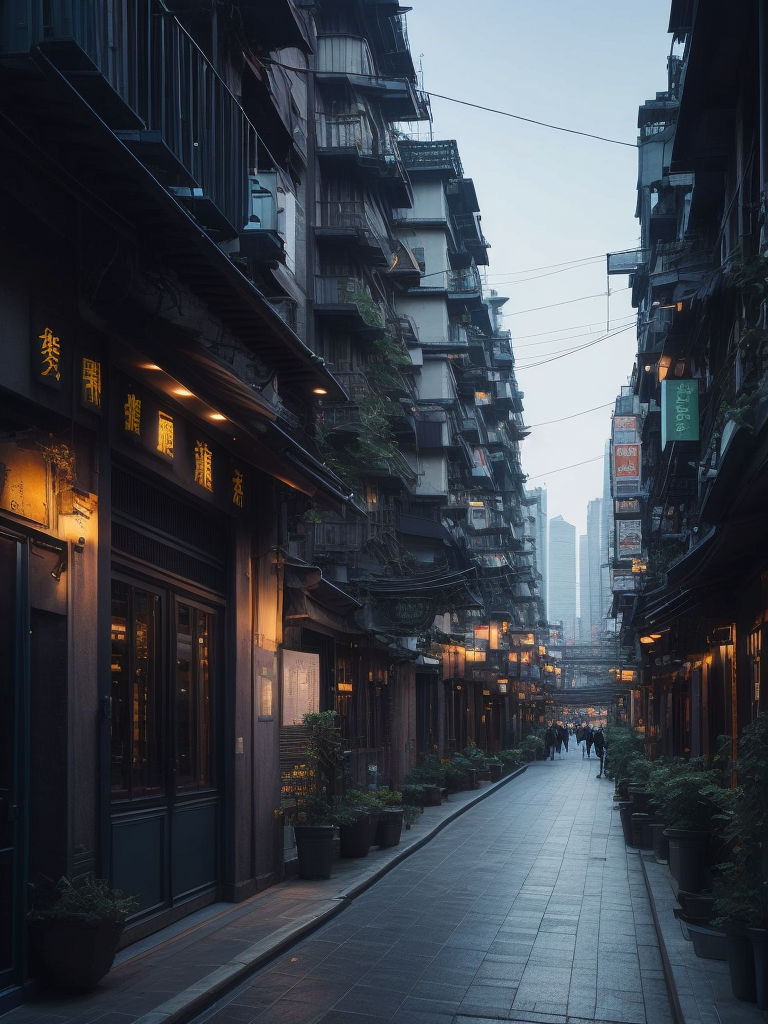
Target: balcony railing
{"x": 345, "y": 132}
{"x": 179, "y": 101}
{"x": 464, "y": 282}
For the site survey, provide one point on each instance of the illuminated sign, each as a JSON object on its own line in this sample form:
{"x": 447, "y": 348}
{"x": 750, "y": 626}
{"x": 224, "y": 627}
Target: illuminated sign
{"x": 237, "y": 488}
{"x": 203, "y": 465}
{"x": 48, "y": 358}
{"x": 165, "y": 434}
{"x": 132, "y": 415}
{"x": 679, "y": 411}
{"x": 91, "y": 384}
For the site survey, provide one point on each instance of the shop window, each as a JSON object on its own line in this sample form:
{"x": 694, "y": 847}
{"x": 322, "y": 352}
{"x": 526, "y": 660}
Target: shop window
{"x": 153, "y": 729}
{"x": 137, "y": 710}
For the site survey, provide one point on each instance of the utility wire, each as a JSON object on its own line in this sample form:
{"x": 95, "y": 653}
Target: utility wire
{"x": 562, "y": 469}
{"x": 533, "y": 426}
{"x": 530, "y": 120}
{"x": 477, "y": 106}
{"x": 582, "y": 298}
{"x": 572, "y": 351}
{"x": 568, "y": 337}
{"x": 552, "y": 330}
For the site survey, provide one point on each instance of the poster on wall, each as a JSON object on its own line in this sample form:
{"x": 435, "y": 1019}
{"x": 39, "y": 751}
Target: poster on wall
{"x": 626, "y": 462}
{"x": 300, "y": 684}
{"x": 630, "y": 539}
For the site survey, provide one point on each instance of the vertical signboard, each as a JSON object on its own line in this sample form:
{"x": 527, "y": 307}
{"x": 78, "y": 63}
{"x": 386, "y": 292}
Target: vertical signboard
{"x": 301, "y": 685}
{"x": 629, "y": 538}
{"x": 679, "y": 411}
{"x": 626, "y": 462}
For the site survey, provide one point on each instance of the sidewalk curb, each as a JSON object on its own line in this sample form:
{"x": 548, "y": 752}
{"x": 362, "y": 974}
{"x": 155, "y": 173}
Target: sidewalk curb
{"x": 669, "y": 974}
{"x": 200, "y": 996}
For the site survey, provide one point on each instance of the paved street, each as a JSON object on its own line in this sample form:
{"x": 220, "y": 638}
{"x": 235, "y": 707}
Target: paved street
{"x": 528, "y": 907}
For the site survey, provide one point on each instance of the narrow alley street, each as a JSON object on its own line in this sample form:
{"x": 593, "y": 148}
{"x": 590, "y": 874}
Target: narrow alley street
{"x": 528, "y": 907}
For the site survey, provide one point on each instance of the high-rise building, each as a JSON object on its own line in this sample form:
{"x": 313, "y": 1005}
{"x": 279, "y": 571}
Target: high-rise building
{"x": 561, "y": 591}
{"x": 536, "y": 498}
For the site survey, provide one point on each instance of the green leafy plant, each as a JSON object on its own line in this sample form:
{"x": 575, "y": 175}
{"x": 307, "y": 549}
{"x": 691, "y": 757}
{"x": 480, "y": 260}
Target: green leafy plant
{"x": 687, "y": 794}
{"x": 511, "y": 758}
{"x": 87, "y": 899}
{"x": 625, "y": 752}
{"x": 532, "y": 748}
{"x": 411, "y": 813}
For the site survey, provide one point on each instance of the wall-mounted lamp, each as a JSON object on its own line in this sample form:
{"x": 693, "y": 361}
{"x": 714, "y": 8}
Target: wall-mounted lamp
{"x": 59, "y": 568}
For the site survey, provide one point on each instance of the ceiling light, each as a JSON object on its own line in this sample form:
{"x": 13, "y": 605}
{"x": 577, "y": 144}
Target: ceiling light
{"x": 217, "y": 416}
{"x": 319, "y": 391}
{"x": 182, "y": 392}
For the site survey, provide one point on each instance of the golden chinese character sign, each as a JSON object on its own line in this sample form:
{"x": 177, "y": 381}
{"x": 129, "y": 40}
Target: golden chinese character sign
{"x": 132, "y": 414}
{"x": 203, "y": 465}
{"x": 238, "y": 492}
{"x": 165, "y": 434}
{"x": 91, "y": 384}
{"x": 47, "y": 350}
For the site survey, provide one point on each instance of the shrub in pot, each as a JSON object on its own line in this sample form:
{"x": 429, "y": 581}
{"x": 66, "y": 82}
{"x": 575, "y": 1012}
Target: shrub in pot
{"x": 510, "y": 759}
{"x": 75, "y": 928}
{"x": 354, "y": 825}
{"x": 687, "y": 797}
{"x": 532, "y": 748}
{"x": 313, "y": 824}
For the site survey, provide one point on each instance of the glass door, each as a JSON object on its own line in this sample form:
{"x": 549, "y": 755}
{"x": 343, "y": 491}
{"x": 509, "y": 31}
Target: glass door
{"x": 12, "y": 720}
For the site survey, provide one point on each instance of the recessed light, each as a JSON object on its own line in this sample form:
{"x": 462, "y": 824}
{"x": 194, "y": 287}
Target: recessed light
{"x": 319, "y": 391}
{"x": 182, "y": 392}
{"x": 217, "y": 416}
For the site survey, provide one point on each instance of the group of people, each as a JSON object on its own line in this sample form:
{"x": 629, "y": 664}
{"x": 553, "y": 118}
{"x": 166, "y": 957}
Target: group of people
{"x": 556, "y": 737}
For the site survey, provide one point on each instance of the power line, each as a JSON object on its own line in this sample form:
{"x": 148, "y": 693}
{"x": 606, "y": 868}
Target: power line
{"x": 567, "y": 337}
{"x": 573, "y": 416}
{"x": 530, "y": 120}
{"x": 572, "y": 351}
{"x": 583, "y": 298}
{"x": 573, "y": 327}
{"x": 562, "y": 469}
{"x": 477, "y": 106}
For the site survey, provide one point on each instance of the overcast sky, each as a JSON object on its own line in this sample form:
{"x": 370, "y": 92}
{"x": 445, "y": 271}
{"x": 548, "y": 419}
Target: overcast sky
{"x": 548, "y": 197}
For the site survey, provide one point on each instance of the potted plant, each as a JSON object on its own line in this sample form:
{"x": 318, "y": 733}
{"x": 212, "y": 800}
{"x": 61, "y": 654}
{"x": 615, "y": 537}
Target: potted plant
{"x": 313, "y": 826}
{"x": 687, "y": 798}
{"x": 532, "y": 748}
{"x": 354, "y": 825}
{"x": 75, "y": 928}
{"x": 742, "y": 883}
{"x": 510, "y": 759}
{"x": 391, "y": 817}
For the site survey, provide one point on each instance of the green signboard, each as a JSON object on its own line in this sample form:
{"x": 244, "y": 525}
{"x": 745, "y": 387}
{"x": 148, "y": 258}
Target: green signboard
{"x": 679, "y": 411}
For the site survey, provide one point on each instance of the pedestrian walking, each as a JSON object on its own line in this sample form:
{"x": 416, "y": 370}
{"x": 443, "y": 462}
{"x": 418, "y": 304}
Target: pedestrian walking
{"x": 562, "y": 733}
{"x": 600, "y": 748}
{"x": 558, "y": 740}
{"x": 581, "y": 732}
{"x": 550, "y": 740}
{"x": 589, "y": 739}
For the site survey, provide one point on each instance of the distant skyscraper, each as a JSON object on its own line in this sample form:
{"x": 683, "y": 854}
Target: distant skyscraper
{"x": 538, "y": 511}
{"x": 561, "y": 593}
{"x": 584, "y": 622}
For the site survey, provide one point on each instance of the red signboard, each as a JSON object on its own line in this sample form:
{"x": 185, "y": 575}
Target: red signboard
{"x": 626, "y": 461}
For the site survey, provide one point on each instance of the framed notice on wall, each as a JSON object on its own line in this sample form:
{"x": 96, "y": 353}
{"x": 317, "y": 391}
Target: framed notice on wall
{"x": 300, "y": 685}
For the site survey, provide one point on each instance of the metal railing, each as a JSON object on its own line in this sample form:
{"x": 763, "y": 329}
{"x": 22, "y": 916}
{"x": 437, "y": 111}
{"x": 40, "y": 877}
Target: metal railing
{"x": 163, "y": 76}
{"x": 351, "y": 132}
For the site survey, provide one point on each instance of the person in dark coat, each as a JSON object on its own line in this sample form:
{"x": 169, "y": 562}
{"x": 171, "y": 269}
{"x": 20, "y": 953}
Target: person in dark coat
{"x": 550, "y": 740}
{"x": 599, "y": 741}
{"x": 589, "y": 738}
{"x": 562, "y": 734}
{"x": 581, "y": 731}
{"x": 558, "y": 739}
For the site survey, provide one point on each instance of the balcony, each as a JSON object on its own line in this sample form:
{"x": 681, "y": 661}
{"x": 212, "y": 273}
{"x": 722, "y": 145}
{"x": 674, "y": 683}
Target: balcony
{"x": 465, "y": 284}
{"x": 349, "y": 58}
{"x": 150, "y": 83}
{"x": 264, "y": 233}
{"x": 348, "y": 296}
{"x": 440, "y": 156}
{"x": 350, "y": 223}
{"x": 348, "y": 134}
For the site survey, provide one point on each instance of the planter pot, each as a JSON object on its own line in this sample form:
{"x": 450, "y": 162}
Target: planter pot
{"x": 660, "y": 842}
{"x": 759, "y": 939}
{"x": 314, "y": 845}
{"x": 625, "y": 810}
{"x": 432, "y": 796}
{"x": 688, "y": 857}
{"x": 638, "y": 833}
{"x": 708, "y": 943}
{"x": 639, "y": 798}
{"x": 650, "y": 819}
{"x": 389, "y": 828}
{"x": 474, "y": 778}
{"x": 741, "y": 963}
{"x": 74, "y": 955}
{"x": 485, "y": 774}
{"x": 356, "y": 839}
{"x": 695, "y": 906}
{"x": 373, "y": 826}
{"x": 496, "y": 772}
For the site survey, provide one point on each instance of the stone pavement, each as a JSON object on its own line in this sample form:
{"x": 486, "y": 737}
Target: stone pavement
{"x": 519, "y": 902}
